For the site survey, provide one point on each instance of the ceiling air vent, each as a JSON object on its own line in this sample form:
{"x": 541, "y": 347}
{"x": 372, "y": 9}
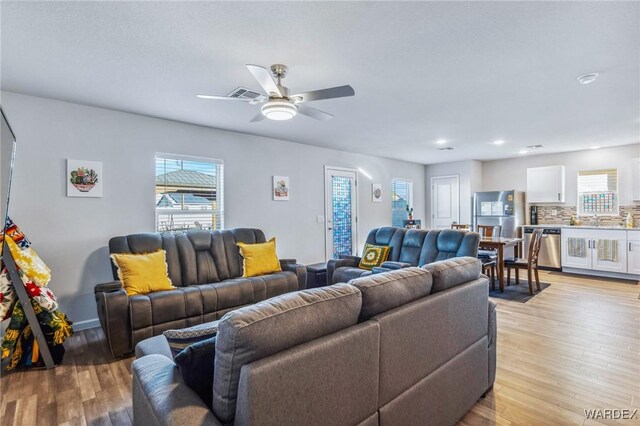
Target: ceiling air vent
{"x": 534, "y": 146}
{"x": 448, "y": 148}
{"x": 241, "y": 92}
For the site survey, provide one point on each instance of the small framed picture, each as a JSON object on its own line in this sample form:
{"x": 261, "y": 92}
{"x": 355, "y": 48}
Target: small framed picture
{"x": 280, "y": 188}
{"x": 84, "y": 178}
{"x": 376, "y": 192}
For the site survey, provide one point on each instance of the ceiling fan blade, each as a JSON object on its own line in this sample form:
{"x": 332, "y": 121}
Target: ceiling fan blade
{"x": 265, "y": 80}
{"x": 257, "y": 118}
{"x": 317, "y": 95}
{"x": 224, "y": 98}
{"x": 314, "y": 113}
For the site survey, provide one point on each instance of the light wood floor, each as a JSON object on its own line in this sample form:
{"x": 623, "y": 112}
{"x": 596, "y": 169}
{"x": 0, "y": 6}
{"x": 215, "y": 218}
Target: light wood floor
{"x": 573, "y": 347}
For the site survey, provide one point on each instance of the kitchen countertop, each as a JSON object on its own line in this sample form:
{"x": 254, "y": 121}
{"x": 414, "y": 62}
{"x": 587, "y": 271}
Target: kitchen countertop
{"x": 560, "y": 225}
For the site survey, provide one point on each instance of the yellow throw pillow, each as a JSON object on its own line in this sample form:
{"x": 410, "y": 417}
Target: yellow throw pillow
{"x": 373, "y": 256}
{"x": 260, "y": 258}
{"x": 143, "y": 273}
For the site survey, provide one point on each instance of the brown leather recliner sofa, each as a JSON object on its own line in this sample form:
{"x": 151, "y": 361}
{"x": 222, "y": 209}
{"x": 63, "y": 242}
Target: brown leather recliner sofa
{"x": 206, "y": 269}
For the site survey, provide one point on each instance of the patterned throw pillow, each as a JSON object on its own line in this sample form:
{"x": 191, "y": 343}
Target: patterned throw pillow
{"x": 373, "y": 256}
{"x": 180, "y": 339}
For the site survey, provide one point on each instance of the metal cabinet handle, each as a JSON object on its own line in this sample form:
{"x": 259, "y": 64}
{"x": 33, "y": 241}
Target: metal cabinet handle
{"x": 589, "y": 243}
{"x": 629, "y": 245}
{"x": 558, "y": 196}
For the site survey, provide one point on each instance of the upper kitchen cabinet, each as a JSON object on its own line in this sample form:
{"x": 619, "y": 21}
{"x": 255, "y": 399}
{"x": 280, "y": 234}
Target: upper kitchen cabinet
{"x": 545, "y": 184}
{"x": 635, "y": 174}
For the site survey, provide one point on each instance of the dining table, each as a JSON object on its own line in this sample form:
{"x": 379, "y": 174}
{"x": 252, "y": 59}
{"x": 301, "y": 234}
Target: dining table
{"x": 499, "y": 244}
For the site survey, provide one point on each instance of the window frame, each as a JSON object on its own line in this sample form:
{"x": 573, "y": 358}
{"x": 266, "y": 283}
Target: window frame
{"x": 616, "y": 202}
{"x": 411, "y": 197}
{"x": 219, "y": 164}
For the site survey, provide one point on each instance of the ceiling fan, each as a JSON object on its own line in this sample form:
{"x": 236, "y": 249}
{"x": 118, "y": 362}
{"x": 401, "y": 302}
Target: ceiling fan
{"x": 278, "y": 104}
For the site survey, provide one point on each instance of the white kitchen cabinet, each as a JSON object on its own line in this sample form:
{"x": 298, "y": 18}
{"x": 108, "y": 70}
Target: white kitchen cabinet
{"x": 545, "y": 184}
{"x": 593, "y": 238}
{"x": 633, "y": 252}
{"x": 635, "y": 175}
{"x": 568, "y": 261}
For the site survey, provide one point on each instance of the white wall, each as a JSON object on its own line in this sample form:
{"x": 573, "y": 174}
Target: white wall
{"x": 470, "y": 175}
{"x": 71, "y": 234}
{"x": 512, "y": 173}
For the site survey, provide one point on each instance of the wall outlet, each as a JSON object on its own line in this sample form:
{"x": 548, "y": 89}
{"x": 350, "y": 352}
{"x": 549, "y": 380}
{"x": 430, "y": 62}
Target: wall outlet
{"x": 554, "y": 212}
{"x": 320, "y": 219}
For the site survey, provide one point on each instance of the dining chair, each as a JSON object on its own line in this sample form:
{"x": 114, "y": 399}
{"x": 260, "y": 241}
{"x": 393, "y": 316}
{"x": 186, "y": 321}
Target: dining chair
{"x": 462, "y": 226}
{"x": 489, "y": 257}
{"x": 530, "y": 264}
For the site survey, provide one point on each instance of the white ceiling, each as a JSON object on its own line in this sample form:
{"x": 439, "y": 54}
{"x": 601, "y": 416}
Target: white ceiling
{"x": 469, "y": 72}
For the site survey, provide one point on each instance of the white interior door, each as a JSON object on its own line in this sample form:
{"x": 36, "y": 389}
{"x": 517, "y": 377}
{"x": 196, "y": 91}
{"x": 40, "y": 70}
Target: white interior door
{"x": 340, "y": 212}
{"x": 445, "y": 201}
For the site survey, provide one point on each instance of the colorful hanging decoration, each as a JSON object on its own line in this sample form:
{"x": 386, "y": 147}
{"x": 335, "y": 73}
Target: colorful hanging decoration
{"x": 19, "y": 347}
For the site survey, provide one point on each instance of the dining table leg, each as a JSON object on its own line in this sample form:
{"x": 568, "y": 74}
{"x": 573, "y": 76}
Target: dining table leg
{"x": 501, "y": 267}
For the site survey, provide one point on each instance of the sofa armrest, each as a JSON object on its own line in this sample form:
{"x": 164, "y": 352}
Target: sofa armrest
{"x": 110, "y": 286}
{"x": 285, "y": 261}
{"x": 354, "y": 259}
{"x": 395, "y": 265}
{"x": 113, "y": 312}
{"x": 160, "y": 396}
{"x": 492, "y": 334}
{"x": 299, "y": 270}
{"x": 343, "y": 262}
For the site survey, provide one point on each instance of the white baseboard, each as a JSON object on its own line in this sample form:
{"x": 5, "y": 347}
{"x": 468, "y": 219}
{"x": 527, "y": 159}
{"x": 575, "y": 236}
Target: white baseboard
{"x": 83, "y": 325}
{"x": 603, "y": 274}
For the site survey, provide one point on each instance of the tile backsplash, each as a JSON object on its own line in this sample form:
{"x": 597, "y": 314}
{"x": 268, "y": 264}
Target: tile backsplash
{"x": 564, "y": 214}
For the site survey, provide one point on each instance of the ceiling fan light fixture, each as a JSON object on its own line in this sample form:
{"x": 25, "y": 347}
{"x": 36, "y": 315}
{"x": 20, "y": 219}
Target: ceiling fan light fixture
{"x": 279, "y": 110}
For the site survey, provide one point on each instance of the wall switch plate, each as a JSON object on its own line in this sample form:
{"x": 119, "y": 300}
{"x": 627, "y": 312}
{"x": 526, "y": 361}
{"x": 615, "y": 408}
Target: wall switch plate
{"x": 554, "y": 212}
{"x": 320, "y": 219}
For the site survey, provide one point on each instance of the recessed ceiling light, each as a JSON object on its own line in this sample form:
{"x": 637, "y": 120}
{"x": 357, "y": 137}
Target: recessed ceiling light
{"x": 498, "y": 142}
{"x": 523, "y": 151}
{"x": 588, "y": 78}
{"x": 441, "y": 141}
{"x": 595, "y": 147}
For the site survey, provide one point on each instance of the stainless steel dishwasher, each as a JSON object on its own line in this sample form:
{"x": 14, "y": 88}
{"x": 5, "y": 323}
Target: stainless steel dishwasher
{"x": 550, "y": 253}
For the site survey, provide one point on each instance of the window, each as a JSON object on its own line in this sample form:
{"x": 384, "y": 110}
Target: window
{"x": 189, "y": 193}
{"x": 598, "y": 192}
{"x": 401, "y": 197}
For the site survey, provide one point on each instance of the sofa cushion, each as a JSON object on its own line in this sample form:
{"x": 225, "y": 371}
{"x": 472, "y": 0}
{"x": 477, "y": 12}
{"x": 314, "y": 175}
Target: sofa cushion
{"x": 383, "y": 292}
{"x": 266, "y": 328}
{"x": 412, "y": 246}
{"x": 373, "y": 256}
{"x": 259, "y": 258}
{"x": 348, "y": 273}
{"x": 452, "y": 272}
{"x": 180, "y": 339}
{"x": 387, "y": 236}
{"x": 196, "y": 364}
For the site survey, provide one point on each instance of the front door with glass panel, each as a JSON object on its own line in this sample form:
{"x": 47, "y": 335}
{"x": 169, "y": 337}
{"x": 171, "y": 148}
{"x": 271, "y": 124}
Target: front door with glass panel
{"x": 340, "y": 212}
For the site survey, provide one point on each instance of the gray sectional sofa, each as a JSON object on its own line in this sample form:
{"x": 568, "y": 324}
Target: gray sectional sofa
{"x": 415, "y": 346}
{"x": 206, "y": 268}
{"x": 413, "y": 247}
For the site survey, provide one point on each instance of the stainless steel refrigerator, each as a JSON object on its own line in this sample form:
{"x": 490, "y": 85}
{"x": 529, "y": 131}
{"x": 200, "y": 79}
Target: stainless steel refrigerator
{"x": 505, "y": 208}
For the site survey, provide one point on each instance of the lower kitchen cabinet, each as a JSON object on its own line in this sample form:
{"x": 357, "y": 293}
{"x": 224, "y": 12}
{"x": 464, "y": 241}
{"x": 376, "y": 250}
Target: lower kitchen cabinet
{"x": 585, "y": 249}
{"x": 633, "y": 252}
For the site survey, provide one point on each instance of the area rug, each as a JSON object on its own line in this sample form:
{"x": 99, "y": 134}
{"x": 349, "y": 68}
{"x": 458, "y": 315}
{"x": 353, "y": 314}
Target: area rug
{"x": 517, "y": 293}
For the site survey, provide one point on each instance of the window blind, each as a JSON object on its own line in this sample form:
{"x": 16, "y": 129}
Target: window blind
{"x": 598, "y": 192}
{"x": 189, "y": 193}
